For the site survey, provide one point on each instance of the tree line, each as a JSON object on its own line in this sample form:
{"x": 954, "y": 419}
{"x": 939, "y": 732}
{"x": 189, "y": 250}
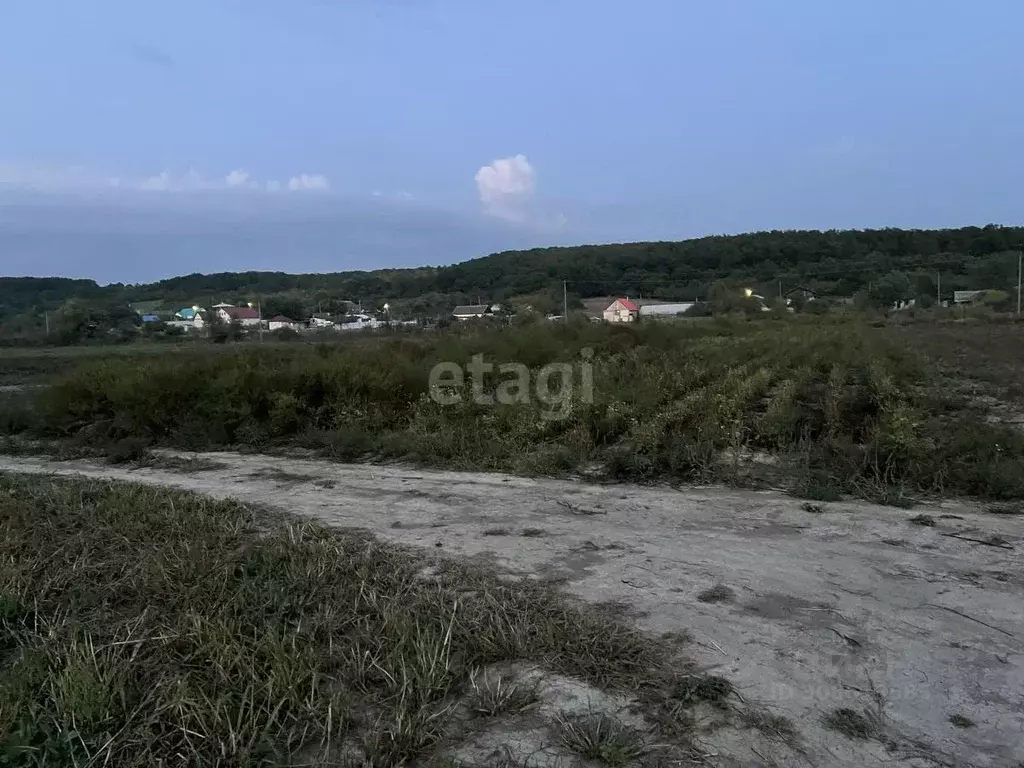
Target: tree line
{"x": 877, "y": 266}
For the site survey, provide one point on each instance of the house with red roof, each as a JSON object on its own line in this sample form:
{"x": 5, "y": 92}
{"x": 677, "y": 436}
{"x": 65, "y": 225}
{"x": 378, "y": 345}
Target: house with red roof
{"x": 247, "y": 317}
{"x": 621, "y": 311}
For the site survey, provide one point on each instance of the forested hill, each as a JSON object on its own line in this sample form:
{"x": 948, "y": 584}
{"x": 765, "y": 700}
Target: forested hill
{"x": 833, "y": 262}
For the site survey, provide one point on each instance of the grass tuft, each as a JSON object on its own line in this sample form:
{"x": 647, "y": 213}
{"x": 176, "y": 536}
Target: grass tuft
{"x": 492, "y": 695}
{"x": 717, "y": 594}
{"x": 852, "y": 724}
{"x": 814, "y": 509}
{"x": 961, "y": 721}
{"x": 696, "y": 689}
{"x": 602, "y": 738}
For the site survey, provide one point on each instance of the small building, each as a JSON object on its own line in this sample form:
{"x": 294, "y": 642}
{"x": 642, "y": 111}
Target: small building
{"x": 151, "y": 318}
{"x": 621, "y": 311}
{"x": 188, "y": 313}
{"x": 247, "y": 317}
{"x": 189, "y": 326}
{"x": 966, "y": 297}
{"x": 322, "y": 322}
{"x": 279, "y": 322}
{"x": 359, "y": 322}
{"x": 470, "y": 311}
{"x": 664, "y": 310}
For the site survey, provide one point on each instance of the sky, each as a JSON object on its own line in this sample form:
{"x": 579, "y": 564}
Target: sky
{"x": 144, "y": 140}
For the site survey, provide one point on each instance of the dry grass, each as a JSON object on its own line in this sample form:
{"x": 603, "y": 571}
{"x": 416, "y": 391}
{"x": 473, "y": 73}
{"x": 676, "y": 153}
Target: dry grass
{"x": 141, "y": 627}
{"x": 493, "y": 695}
{"x": 602, "y": 738}
{"x": 717, "y": 594}
{"x": 852, "y": 724}
{"x": 840, "y": 407}
{"x": 961, "y": 721}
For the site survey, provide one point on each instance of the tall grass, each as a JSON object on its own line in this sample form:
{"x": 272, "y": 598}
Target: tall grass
{"x": 838, "y": 403}
{"x": 143, "y": 627}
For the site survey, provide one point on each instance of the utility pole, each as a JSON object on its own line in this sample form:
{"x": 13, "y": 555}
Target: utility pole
{"x": 780, "y": 289}
{"x": 938, "y": 289}
{"x": 1020, "y": 259}
{"x": 259, "y": 311}
{"x": 565, "y": 302}
{"x": 46, "y": 315}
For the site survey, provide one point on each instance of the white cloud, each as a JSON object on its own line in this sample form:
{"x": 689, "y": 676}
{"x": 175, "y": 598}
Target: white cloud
{"x": 165, "y": 181}
{"x": 159, "y": 183}
{"x": 507, "y": 187}
{"x": 307, "y": 181}
{"x": 72, "y": 178}
{"x": 237, "y": 179}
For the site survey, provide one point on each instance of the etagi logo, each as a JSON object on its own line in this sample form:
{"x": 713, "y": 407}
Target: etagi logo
{"x": 556, "y": 385}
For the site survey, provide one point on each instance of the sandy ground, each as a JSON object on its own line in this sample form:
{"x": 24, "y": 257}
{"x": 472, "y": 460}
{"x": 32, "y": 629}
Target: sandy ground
{"x": 855, "y": 607}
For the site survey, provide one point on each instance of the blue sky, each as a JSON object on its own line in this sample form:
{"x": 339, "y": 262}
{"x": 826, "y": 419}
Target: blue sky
{"x": 140, "y": 140}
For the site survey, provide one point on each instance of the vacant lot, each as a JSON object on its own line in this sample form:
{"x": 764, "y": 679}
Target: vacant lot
{"x": 144, "y": 627}
{"x": 834, "y": 633}
{"x": 976, "y": 351}
{"x": 824, "y": 407}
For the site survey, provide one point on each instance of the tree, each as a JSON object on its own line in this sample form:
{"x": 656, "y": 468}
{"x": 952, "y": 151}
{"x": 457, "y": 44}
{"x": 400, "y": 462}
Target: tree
{"x": 293, "y": 308}
{"x": 890, "y": 289}
{"x": 80, "y": 320}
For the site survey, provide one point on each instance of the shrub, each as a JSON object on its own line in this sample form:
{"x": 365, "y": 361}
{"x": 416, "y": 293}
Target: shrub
{"x": 841, "y": 404}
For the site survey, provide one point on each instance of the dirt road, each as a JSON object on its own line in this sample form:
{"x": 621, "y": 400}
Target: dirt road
{"x": 855, "y": 607}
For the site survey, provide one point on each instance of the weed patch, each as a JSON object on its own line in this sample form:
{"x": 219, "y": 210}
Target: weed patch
{"x": 602, "y": 738}
{"x": 140, "y": 626}
{"x": 852, "y": 724}
{"x": 961, "y": 721}
{"x": 717, "y": 594}
{"x": 834, "y": 408}
{"x": 492, "y": 695}
{"x": 708, "y": 689}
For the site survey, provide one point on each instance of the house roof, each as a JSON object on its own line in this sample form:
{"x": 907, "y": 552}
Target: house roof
{"x": 222, "y": 306}
{"x": 471, "y": 309}
{"x": 280, "y": 319}
{"x": 626, "y": 304}
{"x": 241, "y": 313}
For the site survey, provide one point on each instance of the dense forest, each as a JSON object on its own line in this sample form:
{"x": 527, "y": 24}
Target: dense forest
{"x": 892, "y": 263}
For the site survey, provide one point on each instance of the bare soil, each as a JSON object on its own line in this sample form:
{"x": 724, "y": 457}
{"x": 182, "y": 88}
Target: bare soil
{"x": 855, "y": 610}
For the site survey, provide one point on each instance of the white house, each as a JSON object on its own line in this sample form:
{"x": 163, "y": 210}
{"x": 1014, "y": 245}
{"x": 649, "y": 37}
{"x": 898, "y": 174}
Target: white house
{"x": 966, "y": 297}
{"x": 359, "y": 323}
{"x": 665, "y": 310}
{"x": 470, "y": 311}
{"x": 621, "y": 311}
{"x": 322, "y": 323}
{"x": 280, "y": 322}
{"x": 247, "y": 317}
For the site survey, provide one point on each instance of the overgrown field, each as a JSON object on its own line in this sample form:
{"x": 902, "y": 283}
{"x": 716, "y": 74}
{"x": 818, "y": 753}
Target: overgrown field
{"x": 143, "y": 627}
{"x": 825, "y": 406}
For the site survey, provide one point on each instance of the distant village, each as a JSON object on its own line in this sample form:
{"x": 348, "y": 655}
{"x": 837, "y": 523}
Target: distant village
{"x": 609, "y": 310}
{"x": 250, "y": 317}
{"x": 197, "y": 319}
